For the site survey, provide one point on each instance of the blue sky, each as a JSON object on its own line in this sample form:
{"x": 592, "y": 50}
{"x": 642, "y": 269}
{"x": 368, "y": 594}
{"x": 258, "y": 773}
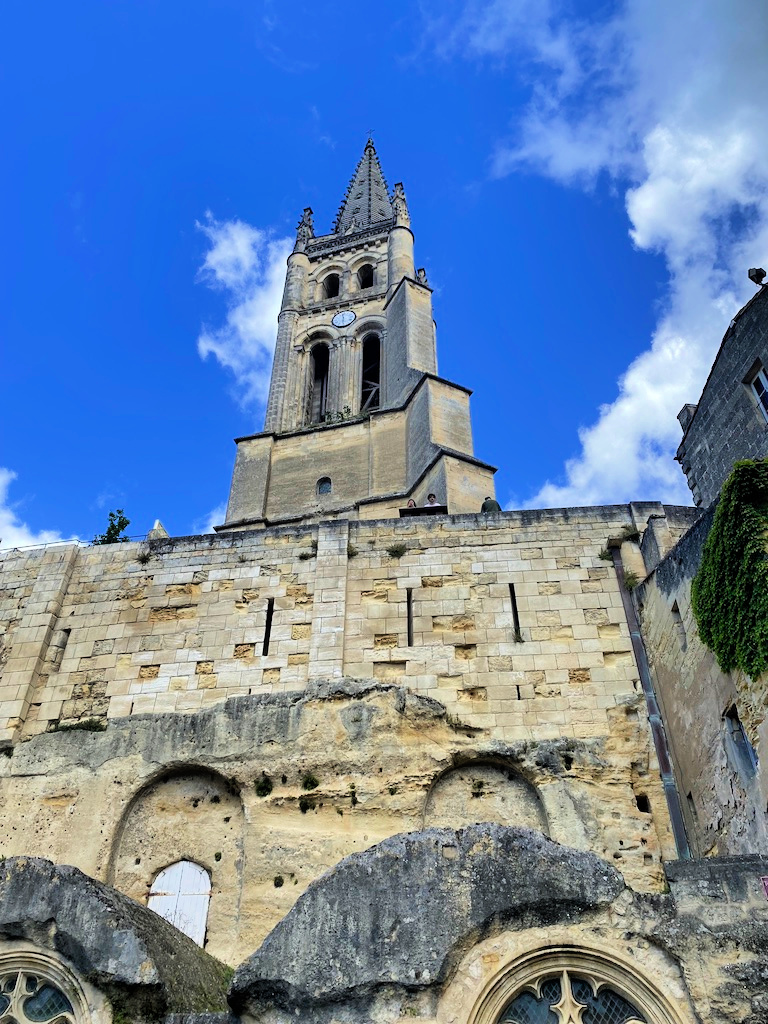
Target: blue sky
{"x": 587, "y": 185}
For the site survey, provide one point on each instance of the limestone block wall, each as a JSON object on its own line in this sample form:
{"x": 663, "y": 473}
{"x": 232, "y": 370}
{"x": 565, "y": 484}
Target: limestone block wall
{"x": 560, "y": 670}
{"x": 512, "y": 621}
{"x": 723, "y": 793}
{"x": 155, "y": 628}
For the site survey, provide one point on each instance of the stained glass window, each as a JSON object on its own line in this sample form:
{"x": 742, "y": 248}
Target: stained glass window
{"x": 26, "y": 998}
{"x": 570, "y": 999}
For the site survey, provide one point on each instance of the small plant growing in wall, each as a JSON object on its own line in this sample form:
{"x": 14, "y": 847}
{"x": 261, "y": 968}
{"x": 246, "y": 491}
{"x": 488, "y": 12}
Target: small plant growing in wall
{"x": 477, "y": 787}
{"x": 278, "y": 881}
{"x": 306, "y": 803}
{"x": 631, "y": 579}
{"x": 353, "y": 794}
{"x": 396, "y": 550}
{"x": 309, "y": 781}
{"x": 117, "y": 526}
{"x": 263, "y": 786}
{"x": 605, "y": 555}
{"x": 83, "y": 725}
{"x": 630, "y": 532}
{"x": 729, "y": 594}
{"x": 304, "y": 556}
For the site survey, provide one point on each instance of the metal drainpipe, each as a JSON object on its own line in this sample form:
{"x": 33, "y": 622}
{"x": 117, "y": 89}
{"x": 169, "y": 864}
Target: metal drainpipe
{"x": 654, "y": 714}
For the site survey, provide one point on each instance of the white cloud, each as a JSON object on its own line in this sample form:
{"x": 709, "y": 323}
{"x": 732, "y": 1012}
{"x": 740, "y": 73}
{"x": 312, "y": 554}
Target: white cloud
{"x": 13, "y": 532}
{"x": 248, "y": 264}
{"x": 668, "y": 99}
{"x": 215, "y": 517}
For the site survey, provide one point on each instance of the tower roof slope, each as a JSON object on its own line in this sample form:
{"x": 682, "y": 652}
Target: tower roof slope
{"x": 366, "y": 200}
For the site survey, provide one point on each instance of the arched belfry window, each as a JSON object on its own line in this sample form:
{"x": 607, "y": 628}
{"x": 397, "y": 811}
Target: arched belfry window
{"x": 180, "y": 894}
{"x": 370, "y": 392}
{"x": 324, "y": 485}
{"x": 365, "y": 276}
{"x": 331, "y": 286}
{"x": 318, "y": 396}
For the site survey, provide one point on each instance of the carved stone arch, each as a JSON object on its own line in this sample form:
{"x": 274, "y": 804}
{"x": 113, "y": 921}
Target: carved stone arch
{"x": 313, "y": 335}
{"x": 369, "y": 324}
{"x": 602, "y": 970}
{"x": 483, "y": 789}
{"x": 189, "y": 813}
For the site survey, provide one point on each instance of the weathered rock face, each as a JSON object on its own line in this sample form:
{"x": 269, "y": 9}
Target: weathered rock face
{"x": 402, "y": 913}
{"x": 230, "y": 788}
{"x": 715, "y": 923}
{"x": 143, "y": 964}
{"x": 424, "y": 924}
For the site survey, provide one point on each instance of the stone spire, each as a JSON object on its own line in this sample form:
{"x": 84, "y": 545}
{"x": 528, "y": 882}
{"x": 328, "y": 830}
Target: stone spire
{"x": 367, "y": 198}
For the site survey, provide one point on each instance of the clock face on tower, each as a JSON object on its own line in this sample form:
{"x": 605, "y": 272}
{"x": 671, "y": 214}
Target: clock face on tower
{"x": 344, "y": 319}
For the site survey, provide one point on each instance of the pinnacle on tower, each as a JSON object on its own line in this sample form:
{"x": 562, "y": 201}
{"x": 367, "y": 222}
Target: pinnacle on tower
{"x": 366, "y": 200}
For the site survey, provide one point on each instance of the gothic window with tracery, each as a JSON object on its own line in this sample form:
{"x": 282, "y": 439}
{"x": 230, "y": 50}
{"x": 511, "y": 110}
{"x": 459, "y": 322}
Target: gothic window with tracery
{"x": 570, "y": 999}
{"x": 27, "y": 998}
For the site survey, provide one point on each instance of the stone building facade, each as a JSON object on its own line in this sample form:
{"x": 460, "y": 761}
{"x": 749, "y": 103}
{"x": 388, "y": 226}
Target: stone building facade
{"x": 731, "y": 418}
{"x": 716, "y": 720}
{"x": 385, "y": 762}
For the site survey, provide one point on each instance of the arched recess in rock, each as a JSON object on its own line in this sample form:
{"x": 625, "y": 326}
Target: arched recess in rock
{"x": 483, "y": 790}
{"x": 191, "y": 814}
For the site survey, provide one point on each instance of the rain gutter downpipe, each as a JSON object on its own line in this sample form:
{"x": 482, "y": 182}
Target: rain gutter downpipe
{"x": 654, "y": 714}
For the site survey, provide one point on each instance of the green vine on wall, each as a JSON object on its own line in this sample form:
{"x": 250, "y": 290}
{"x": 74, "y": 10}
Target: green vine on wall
{"x": 730, "y": 591}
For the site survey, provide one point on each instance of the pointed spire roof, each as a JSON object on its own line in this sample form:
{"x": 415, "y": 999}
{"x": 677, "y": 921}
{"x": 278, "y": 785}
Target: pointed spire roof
{"x": 366, "y": 200}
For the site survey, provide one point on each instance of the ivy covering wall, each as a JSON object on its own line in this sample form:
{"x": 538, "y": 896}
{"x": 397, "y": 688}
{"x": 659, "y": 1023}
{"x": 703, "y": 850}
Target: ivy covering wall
{"x": 730, "y": 591}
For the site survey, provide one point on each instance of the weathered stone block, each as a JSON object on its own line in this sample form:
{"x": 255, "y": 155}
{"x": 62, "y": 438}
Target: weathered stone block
{"x": 145, "y": 965}
{"x": 364, "y": 932}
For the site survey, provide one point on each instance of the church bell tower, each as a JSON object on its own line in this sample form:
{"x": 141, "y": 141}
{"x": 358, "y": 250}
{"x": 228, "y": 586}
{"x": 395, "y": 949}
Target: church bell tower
{"x": 358, "y": 420}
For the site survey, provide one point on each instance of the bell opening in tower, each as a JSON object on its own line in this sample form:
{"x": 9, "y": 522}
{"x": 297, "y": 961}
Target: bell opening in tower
{"x": 365, "y": 276}
{"x": 371, "y": 390}
{"x": 331, "y": 286}
{"x": 318, "y": 397}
